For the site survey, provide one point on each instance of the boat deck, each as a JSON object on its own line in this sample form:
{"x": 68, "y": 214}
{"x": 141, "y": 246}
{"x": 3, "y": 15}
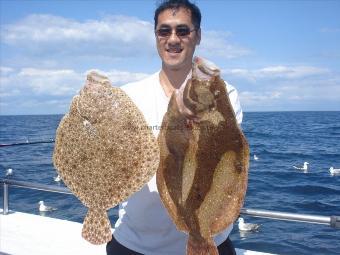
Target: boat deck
{"x": 26, "y": 234}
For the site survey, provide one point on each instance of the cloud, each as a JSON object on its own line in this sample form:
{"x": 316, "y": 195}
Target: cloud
{"x": 321, "y": 89}
{"x": 274, "y": 72}
{"x": 49, "y": 89}
{"x": 330, "y": 30}
{"x": 5, "y": 74}
{"x": 217, "y": 44}
{"x": 289, "y": 72}
{"x": 286, "y": 87}
{"x": 60, "y": 82}
{"x": 115, "y": 36}
{"x": 256, "y": 96}
{"x": 255, "y": 100}
{"x": 50, "y": 82}
{"x": 118, "y": 77}
{"x": 5, "y": 70}
{"x": 311, "y": 93}
{"x": 45, "y": 56}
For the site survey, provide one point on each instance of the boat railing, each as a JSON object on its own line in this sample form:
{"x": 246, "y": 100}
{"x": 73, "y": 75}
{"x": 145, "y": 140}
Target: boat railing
{"x": 25, "y": 143}
{"x": 332, "y": 221}
{"x": 28, "y": 185}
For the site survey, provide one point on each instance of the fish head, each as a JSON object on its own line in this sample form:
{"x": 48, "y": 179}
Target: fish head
{"x": 204, "y": 69}
{"x": 94, "y": 98}
{"x": 201, "y": 92}
{"x": 97, "y": 84}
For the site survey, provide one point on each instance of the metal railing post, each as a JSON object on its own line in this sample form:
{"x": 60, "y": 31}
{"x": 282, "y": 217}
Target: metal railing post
{"x": 5, "y": 211}
{"x": 335, "y": 221}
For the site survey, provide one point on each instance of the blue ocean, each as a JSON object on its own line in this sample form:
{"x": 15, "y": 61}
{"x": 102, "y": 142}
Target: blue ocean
{"x": 280, "y": 140}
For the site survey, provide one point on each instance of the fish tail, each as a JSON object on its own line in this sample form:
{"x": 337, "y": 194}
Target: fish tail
{"x": 97, "y": 227}
{"x": 201, "y": 247}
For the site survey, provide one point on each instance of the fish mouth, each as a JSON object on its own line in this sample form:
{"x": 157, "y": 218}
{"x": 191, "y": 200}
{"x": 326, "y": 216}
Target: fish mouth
{"x": 204, "y": 69}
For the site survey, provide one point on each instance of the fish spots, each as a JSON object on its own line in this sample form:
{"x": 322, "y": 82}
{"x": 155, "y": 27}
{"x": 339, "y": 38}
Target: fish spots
{"x": 202, "y": 177}
{"x": 238, "y": 166}
{"x": 83, "y": 157}
{"x": 100, "y": 158}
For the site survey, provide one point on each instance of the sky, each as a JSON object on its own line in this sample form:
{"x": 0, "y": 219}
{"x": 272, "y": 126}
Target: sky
{"x": 280, "y": 55}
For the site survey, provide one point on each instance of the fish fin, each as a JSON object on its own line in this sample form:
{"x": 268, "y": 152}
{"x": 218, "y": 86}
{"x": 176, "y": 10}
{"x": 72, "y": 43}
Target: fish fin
{"x": 201, "y": 247}
{"x": 96, "y": 227}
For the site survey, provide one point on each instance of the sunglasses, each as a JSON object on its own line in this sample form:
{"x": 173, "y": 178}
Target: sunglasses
{"x": 181, "y": 31}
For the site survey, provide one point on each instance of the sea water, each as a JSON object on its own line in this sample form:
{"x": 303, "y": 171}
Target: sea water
{"x": 280, "y": 140}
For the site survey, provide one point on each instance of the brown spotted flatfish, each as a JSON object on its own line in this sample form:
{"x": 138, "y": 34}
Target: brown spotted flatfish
{"x": 202, "y": 176}
{"x": 103, "y": 152}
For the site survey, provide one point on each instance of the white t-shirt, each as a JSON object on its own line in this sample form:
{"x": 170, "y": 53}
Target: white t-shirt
{"x": 144, "y": 224}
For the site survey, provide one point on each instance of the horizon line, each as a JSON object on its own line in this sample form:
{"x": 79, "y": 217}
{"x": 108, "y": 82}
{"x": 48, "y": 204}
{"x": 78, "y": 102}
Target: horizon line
{"x": 46, "y": 114}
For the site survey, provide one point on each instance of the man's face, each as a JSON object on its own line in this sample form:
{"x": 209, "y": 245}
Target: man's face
{"x": 176, "y": 50}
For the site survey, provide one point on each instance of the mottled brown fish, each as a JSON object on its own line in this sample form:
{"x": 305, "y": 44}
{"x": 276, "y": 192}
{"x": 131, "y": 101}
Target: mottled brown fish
{"x": 104, "y": 152}
{"x": 202, "y": 176}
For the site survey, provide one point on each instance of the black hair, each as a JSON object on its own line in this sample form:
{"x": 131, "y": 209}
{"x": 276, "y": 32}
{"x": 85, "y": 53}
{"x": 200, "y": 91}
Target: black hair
{"x": 176, "y": 4}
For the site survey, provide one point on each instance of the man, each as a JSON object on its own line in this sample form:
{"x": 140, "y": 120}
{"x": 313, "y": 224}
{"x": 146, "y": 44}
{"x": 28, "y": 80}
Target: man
{"x": 144, "y": 226}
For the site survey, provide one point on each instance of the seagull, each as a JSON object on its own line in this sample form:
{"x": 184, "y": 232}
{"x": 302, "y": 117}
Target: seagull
{"x": 57, "y": 178}
{"x": 304, "y": 168}
{"x": 247, "y": 226}
{"x": 9, "y": 172}
{"x": 45, "y": 208}
{"x": 255, "y": 157}
{"x": 333, "y": 171}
